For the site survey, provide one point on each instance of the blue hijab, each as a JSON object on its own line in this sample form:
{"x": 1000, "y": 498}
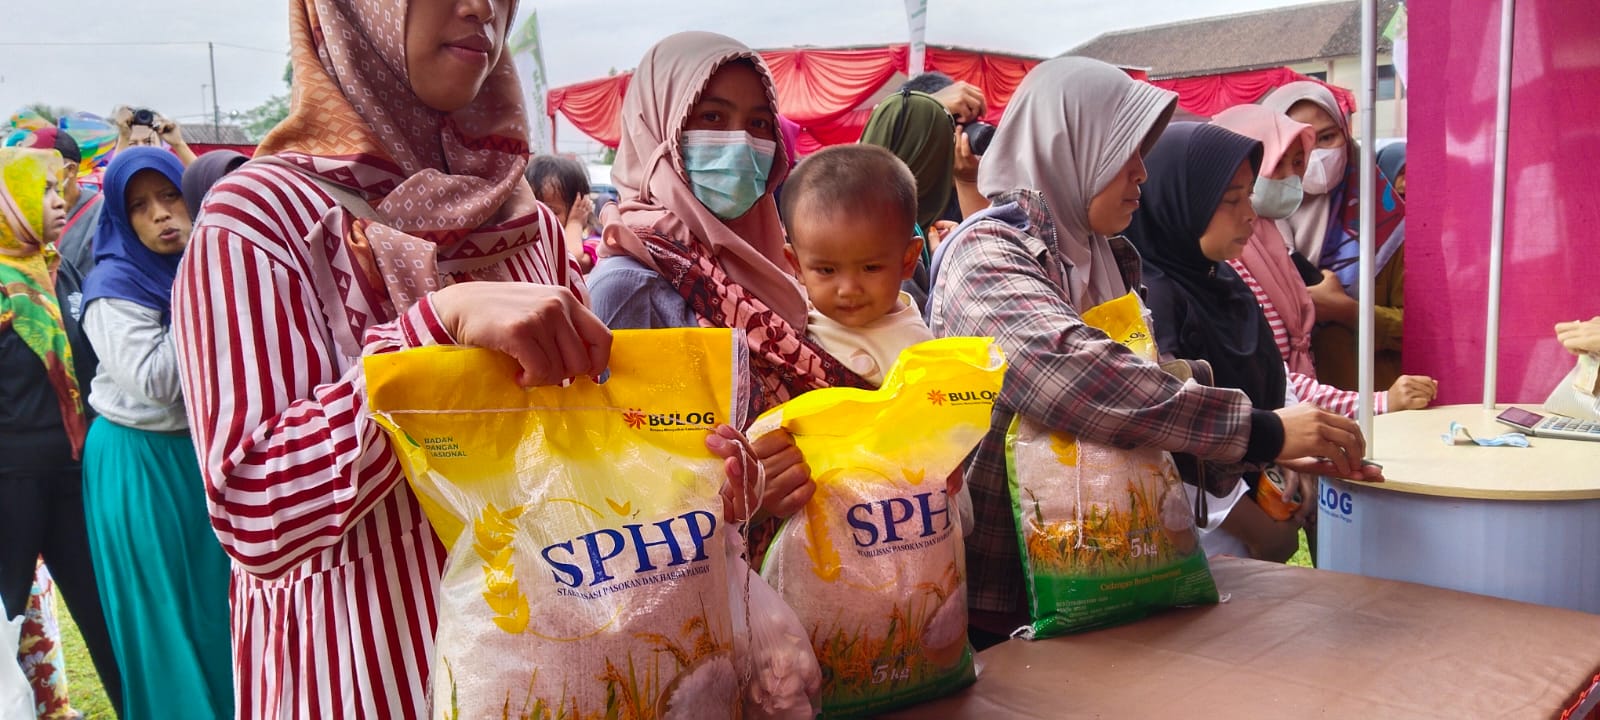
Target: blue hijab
{"x": 1392, "y": 160}
{"x": 124, "y": 268}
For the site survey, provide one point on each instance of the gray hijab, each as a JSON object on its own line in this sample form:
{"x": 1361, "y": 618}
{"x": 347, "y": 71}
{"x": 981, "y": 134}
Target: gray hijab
{"x": 1072, "y": 124}
{"x": 204, "y": 172}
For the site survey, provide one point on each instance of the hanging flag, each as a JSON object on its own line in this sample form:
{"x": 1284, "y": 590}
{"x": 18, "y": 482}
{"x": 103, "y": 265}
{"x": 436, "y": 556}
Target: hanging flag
{"x": 917, "y": 19}
{"x": 529, "y": 55}
{"x": 1396, "y": 33}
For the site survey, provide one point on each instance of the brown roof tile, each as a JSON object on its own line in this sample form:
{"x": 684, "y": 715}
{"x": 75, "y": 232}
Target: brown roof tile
{"x": 1245, "y": 41}
{"x": 208, "y": 134}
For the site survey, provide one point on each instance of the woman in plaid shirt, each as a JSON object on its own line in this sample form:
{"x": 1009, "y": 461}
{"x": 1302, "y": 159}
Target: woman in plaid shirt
{"x": 1063, "y": 172}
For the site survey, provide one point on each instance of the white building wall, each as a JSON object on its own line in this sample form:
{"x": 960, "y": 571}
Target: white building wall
{"x": 1345, "y": 72}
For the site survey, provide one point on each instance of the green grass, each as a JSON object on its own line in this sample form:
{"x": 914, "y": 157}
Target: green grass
{"x": 88, "y": 697}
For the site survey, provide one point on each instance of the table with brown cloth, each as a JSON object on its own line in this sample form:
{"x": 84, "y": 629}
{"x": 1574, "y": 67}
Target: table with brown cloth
{"x": 1293, "y": 642}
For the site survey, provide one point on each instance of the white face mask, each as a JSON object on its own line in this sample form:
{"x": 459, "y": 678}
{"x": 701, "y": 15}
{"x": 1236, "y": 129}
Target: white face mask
{"x": 1277, "y": 199}
{"x": 1324, "y": 171}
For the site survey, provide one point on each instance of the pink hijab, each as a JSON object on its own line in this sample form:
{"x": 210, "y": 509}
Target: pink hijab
{"x": 1267, "y": 254}
{"x": 654, "y": 187}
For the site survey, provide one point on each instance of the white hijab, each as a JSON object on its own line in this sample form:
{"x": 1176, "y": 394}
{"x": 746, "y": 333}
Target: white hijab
{"x": 1072, "y": 124}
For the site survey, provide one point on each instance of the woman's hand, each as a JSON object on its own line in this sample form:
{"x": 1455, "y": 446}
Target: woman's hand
{"x": 1412, "y": 392}
{"x": 1305, "y": 486}
{"x": 788, "y": 479}
{"x": 170, "y": 133}
{"x": 1316, "y": 467}
{"x": 742, "y": 469}
{"x": 966, "y": 167}
{"x": 1309, "y": 432}
{"x": 575, "y": 230}
{"x": 122, "y": 120}
{"x": 544, "y": 328}
{"x": 579, "y": 214}
{"x": 1580, "y": 336}
{"x": 936, "y": 234}
{"x": 1332, "y": 303}
{"x": 964, "y": 101}
{"x": 968, "y": 197}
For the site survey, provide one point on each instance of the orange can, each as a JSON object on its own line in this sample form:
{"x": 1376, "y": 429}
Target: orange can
{"x": 1271, "y": 491}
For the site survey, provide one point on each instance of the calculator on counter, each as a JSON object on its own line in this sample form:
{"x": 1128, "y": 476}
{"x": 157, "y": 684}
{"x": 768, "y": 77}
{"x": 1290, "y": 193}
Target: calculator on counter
{"x": 1550, "y": 426}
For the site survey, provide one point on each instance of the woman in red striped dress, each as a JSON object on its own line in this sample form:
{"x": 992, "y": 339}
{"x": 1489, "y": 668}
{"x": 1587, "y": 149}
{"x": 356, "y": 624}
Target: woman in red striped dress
{"x": 396, "y": 177}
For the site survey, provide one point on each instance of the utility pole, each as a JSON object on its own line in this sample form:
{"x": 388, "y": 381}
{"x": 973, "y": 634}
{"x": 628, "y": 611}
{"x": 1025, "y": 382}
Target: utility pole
{"x": 216, "y": 110}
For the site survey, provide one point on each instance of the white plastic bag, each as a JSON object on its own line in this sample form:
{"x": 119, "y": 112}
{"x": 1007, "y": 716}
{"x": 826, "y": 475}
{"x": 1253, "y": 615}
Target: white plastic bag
{"x": 16, "y": 698}
{"x": 779, "y": 671}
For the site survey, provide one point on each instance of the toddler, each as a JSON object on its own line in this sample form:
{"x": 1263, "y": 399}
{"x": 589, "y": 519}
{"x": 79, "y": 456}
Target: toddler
{"x": 850, "y": 212}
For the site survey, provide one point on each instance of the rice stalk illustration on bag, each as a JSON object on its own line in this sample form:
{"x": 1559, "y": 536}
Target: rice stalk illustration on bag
{"x": 492, "y": 534}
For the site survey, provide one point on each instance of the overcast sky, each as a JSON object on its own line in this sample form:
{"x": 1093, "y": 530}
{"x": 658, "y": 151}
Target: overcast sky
{"x": 582, "y": 40}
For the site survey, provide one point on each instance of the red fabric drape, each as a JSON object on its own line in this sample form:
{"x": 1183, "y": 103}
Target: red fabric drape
{"x": 593, "y": 106}
{"x": 817, "y": 87}
{"x": 203, "y": 148}
{"x": 823, "y": 91}
{"x": 1208, "y": 95}
{"x": 996, "y": 75}
{"x": 843, "y": 130}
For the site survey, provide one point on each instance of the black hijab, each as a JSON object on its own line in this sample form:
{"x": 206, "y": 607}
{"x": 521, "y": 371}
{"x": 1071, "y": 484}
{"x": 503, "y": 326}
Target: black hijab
{"x": 1203, "y": 310}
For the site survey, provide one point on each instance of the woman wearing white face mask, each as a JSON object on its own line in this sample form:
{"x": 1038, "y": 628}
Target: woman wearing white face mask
{"x": 1325, "y": 229}
{"x": 696, "y": 240}
{"x": 1267, "y": 268}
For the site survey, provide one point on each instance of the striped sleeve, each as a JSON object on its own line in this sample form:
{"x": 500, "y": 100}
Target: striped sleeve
{"x": 1280, "y": 332}
{"x": 1332, "y": 399}
{"x": 290, "y": 459}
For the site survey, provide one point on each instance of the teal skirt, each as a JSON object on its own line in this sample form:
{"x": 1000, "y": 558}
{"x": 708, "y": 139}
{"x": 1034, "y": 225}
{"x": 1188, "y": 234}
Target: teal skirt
{"x": 163, "y": 576}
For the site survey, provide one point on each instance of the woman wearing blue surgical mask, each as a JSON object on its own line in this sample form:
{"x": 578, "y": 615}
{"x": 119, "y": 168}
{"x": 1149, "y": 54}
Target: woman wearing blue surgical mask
{"x": 696, "y": 240}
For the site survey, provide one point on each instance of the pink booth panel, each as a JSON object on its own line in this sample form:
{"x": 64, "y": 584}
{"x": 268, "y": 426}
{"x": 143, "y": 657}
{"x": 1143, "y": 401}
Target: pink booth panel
{"x": 1552, "y": 257}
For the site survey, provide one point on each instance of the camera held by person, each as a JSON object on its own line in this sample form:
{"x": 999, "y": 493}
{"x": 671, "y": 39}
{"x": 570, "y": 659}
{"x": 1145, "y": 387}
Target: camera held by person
{"x": 143, "y": 126}
{"x": 978, "y": 133}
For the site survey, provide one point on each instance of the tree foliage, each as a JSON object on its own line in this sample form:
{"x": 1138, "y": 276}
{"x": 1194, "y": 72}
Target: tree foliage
{"x": 51, "y": 113}
{"x": 260, "y": 120}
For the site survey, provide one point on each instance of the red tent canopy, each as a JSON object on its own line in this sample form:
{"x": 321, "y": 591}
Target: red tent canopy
{"x": 827, "y": 92}
{"x": 1207, "y": 95}
{"x": 203, "y": 148}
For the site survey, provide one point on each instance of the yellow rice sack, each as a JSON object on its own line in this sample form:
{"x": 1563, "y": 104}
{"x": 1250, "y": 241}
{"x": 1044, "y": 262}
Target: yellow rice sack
{"x": 873, "y": 564}
{"x": 587, "y": 574}
{"x": 1106, "y": 533}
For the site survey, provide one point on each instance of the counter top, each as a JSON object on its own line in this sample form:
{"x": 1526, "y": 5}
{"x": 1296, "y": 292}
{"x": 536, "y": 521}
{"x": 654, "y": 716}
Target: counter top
{"x": 1416, "y": 460}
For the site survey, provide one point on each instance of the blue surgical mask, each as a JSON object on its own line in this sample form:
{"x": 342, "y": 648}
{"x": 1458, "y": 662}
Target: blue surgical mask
{"x": 727, "y": 169}
{"x": 1277, "y": 199}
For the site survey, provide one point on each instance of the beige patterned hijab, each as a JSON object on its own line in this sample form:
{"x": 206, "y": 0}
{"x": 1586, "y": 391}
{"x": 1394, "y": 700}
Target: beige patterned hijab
{"x": 654, "y": 186}
{"x": 1072, "y": 124}
{"x": 446, "y": 189}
